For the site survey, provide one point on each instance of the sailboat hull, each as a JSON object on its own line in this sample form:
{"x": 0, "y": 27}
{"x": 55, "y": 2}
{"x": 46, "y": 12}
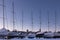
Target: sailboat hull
{"x": 21, "y": 37}
{"x": 9, "y": 37}
{"x": 31, "y": 35}
{"x": 49, "y": 35}
{"x": 39, "y": 35}
{"x": 56, "y": 35}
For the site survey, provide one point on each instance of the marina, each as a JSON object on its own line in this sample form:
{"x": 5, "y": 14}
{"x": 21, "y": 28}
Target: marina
{"x": 40, "y": 25}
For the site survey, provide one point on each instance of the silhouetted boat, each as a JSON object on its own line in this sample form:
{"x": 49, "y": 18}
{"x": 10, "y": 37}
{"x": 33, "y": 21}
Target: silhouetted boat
{"x": 48, "y": 34}
{"x": 14, "y": 33}
{"x": 4, "y": 33}
{"x": 56, "y": 34}
{"x": 39, "y": 34}
{"x": 31, "y": 34}
{"x": 22, "y": 34}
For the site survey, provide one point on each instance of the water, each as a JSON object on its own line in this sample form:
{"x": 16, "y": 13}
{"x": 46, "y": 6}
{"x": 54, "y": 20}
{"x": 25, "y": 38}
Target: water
{"x": 31, "y": 39}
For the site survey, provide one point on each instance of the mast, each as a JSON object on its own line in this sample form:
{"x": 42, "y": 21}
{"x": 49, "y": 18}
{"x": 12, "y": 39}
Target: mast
{"x": 40, "y": 20}
{"x": 7, "y": 21}
{"x": 48, "y": 19}
{"x": 3, "y": 16}
{"x": 32, "y": 20}
{"x": 55, "y": 22}
{"x": 13, "y": 15}
{"x": 22, "y": 20}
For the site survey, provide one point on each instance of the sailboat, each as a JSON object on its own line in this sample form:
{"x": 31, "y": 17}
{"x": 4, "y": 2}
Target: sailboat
{"x": 39, "y": 34}
{"x": 56, "y": 34}
{"x": 22, "y": 33}
{"x": 3, "y": 32}
{"x": 14, "y": 33}
{"x": 31, "y": 33}
{"x": 48, "y": 34}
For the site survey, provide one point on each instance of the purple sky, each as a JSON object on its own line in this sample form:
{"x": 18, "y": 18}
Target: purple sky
{"x": 35, "y": 6}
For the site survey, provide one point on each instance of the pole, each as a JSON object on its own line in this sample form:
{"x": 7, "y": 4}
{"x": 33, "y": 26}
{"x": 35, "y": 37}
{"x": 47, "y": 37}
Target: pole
{"x": 48, "y": 19}
{"x": 13, "y": 15}
{"x": 3, "y": 16}
{"x": 22, "y": 20}
{"x": 32, "y": 20}
{"x": 40, "y": 20}
{"x": 55, "y": 22}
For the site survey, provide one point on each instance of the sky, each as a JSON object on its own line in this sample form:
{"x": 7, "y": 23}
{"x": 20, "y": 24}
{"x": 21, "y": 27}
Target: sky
{"x": 37, "y": 7}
